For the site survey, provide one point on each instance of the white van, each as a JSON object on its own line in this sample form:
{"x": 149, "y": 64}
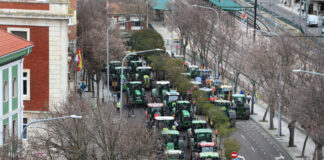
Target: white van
{"x": 312, "y": 20}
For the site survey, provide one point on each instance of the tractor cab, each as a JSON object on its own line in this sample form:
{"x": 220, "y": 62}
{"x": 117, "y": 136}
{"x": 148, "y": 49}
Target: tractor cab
{"x": 240, "y": 106}
{"x": 226, "y": 92}
{"x": 135, "y": 93}
{"x": 204, "y": 147}
{"x": 208, "y": 92}
{"x": 184, "y": 114}
{"x": 144, "y": 74}
{"x": 133, "y": 58}
{"x": 174, "y": 154}
{"x": 134, "y": 64}
{"x": 196, "y": 85}
{"x": 117, "y": 77}
{"x": 153, "y": 110}
{"x": 112, "y": 70}
{"x": 204, "y": 74}
{"x": 169, "y": 100}
{"x": 160, "y": 90}
{"x": 164, "y": 122}
{"x": 202, "y": 135}
{"x": 193, "y": 71}
{"x": 171, "y": 139}
{"x": 208, "y": 156}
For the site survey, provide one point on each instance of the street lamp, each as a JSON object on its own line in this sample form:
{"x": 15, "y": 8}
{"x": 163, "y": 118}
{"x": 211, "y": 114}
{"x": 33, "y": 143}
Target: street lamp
{"x": 42, "y": 120}
{"x": 122, "y": 74}
{"x": 110, "y": 26}
{"x": 311, "y": 72}
{"x": 195, "y": 5}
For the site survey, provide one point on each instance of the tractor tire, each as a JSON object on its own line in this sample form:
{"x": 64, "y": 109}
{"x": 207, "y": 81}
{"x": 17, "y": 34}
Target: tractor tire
{"x": 247, "y": 114}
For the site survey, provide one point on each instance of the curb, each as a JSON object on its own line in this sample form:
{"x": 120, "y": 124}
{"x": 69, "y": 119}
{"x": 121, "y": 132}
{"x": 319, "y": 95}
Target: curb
{"x": 275, "y": 138}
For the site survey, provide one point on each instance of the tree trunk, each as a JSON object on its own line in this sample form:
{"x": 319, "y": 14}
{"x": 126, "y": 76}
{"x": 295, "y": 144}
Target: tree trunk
{"x": 265, "y": 114}
{"x": 318, "y": 151}
{"x": 291, "y": 127}
{"x": 272, "y": 112}
{"x": 304, "y": 146}
{"x": 98, "y": 89}
{"x": 92, "y": 86}
{"x": 103, "y": 91}
{"x": 237, "y": 74}
{"x": 253, "y": 95}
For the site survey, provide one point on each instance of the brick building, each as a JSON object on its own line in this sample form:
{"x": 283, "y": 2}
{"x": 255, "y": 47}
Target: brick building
{"x": 47, "y": 23}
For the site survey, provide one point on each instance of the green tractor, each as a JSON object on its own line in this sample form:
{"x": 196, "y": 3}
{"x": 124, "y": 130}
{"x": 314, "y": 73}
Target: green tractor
{"x": 153, "y": 110}
{"x": 240, "y": 106}
{"x": 144, "y": 74}
{"x": 204, "y": 74}
{"x": 135, "y": 93}
{"x": 225, "y": 92}
{"x": 133, "y": 66}
{"x": 225, "y": 105}
{"x": 184, "y": 114}
{"x": 205, "y": 147}
{"x": 201, "y": 135}
{"x": 172, "y": 140}
{"x": 112, "y": 69}
{"x": 174, "y": 154}
{"x": 196, "y": 124}
{"x": 169, "y": 101}
{"x": 160, "y": 90}
{"x": 208, "y": 156}
{"x": 193, "y": 71}
{"x": 164, "y": 122}
{"x": 117, "y": 76}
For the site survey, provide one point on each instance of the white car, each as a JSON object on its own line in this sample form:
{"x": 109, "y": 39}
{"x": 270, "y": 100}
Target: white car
{"x": 312, "y": 20}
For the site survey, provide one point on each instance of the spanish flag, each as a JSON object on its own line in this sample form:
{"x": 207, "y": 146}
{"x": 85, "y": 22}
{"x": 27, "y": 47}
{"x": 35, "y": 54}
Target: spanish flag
{"x": 79, "y": 60}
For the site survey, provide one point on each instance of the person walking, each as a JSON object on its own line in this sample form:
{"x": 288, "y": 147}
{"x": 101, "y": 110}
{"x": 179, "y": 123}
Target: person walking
{"x": 118, "y": 106}
{"x": 80, "y": 90}
{"x": 248, "y": 98}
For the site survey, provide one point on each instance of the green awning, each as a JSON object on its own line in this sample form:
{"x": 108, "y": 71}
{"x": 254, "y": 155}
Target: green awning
{"x": 159, "y": 4}
{"x": 227, "y": 5}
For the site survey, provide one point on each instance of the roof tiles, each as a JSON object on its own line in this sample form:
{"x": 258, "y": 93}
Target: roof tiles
{"x": 10, "y": 43}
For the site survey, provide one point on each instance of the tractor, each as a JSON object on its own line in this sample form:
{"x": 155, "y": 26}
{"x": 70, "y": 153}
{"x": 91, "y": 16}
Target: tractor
{"x": 204, "y": 74}
{"x": 171, "y": 139}
{"x": 240, "y": 106}
{"x": 174, "y": 154}
{"x": 225, "y": 106}
{"x": 184, "y": 114}
{"x": 112, "y": 69}
{"x": 164, "y": 122}
{"x": 116, "y": 78}
{"x": 144, "y": 74}
{"x": 193, "y": 71}
{"x": 196, "y": 85}
{"x": 135, "y": 94}
{"x": 204, "y": 147}
{"x": 133, "y": 71}
{"x": 225, "y": 92}
{"x": 208, "y": 156}
{"x": 201, "y": 135}
{"x": 162, "y": 87}
{"x": 153, "y": 110}
{"x": 169, "y": 101}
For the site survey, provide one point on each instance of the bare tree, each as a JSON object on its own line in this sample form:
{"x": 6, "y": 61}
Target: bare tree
{"x": 100, "y": 134}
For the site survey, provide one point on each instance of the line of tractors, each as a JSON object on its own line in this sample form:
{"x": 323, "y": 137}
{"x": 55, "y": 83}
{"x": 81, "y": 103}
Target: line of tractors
{"x": 171, "y": 113}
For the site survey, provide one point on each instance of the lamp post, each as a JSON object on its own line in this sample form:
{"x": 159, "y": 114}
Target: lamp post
{"x": 110, "y": 26}
{"x": 310, "y": 72}
{"x": 216, "y": 28}
{"x": 42, "y": 120}
{"x": 122, "y": 74}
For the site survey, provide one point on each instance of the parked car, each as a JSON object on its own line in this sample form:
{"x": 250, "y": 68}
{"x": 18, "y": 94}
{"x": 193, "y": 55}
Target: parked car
{"x": 312, "y": 20}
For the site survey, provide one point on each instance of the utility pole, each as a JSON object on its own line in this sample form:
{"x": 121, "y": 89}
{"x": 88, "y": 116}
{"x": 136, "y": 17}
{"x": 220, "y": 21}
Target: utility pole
{"x": 279, "y": 98}
{"x": 255, "y": 15}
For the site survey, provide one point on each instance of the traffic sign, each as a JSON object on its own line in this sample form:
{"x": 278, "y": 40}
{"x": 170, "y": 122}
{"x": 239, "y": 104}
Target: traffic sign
{"x": 234, "y": 155}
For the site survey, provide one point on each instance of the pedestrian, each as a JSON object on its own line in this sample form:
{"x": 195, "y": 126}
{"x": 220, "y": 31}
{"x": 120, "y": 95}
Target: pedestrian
{"x": 248, "y": 97}
{"x": 83, "y": 86}
{"x": 175, "y": 125}
{"x": 79, "y": 90}
{"x": 118, "y": 106}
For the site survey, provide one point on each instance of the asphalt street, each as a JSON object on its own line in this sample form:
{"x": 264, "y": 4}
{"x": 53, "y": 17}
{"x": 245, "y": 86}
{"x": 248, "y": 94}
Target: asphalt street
{"x": 257, "y": 143}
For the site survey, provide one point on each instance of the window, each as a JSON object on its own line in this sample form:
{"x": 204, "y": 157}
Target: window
{"x": 25, "y": 121}
{"x": 70, "y": 21}
{"x": 14, "y": 87}
{"x": 5, "y": 91}
{"x": 14, "y": 128}
{"x": 122, "y": 25}
{"x": 21, "y": 32}
{"x": 5, "y": 133}
{"x": 26, "y": 84}
{"x": 136, "y": 24}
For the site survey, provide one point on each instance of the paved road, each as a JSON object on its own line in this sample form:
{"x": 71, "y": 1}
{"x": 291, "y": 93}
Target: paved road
{"x": 256, "y": 143}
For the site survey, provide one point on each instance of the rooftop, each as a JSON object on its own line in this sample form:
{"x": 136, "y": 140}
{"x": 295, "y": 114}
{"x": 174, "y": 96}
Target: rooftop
{"x": 10, "y": 43}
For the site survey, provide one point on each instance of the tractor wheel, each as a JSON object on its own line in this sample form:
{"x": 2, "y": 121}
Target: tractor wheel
{"x": 247, "y": 114}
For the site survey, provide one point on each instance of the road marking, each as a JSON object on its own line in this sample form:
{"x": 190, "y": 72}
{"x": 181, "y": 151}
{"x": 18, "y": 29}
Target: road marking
{"x": 280, "y": 157}
{"x": 241, "y": 157}
{"x": 243, "y": 136}
{"x": 252, "y": 149}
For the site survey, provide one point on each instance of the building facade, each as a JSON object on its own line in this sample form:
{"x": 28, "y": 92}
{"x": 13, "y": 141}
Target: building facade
{"x": 45, "y": 72}
{"x": 13, "y": 49}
